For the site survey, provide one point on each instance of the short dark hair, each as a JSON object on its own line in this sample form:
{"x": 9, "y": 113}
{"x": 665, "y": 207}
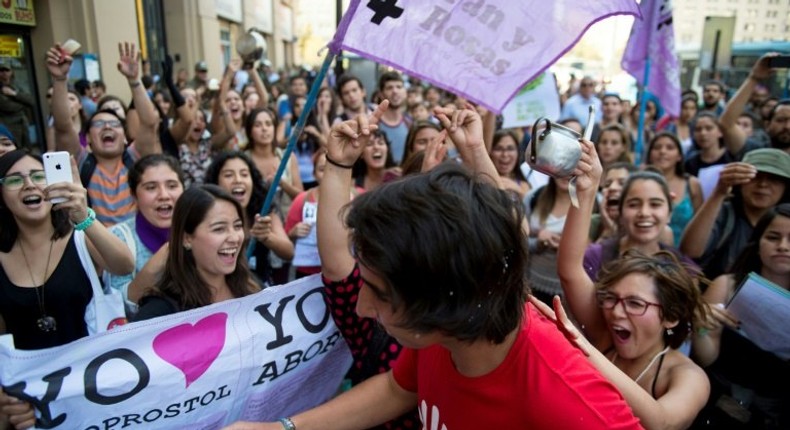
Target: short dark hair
{"x": 716, "y": 82}
{"x": 346, "y": 78}
{"x": 389, "y": 76}
{"x": 109, "y": 98}
{"x": 468, "y": 280}
{"x": 151, "y": 160}
{"x": 82, "y": 86}
{"x": 782, "y": 102}
{"x": 9, "y": 230}
{"x": 86, "y": 126}
{"x": 181, "y": 280}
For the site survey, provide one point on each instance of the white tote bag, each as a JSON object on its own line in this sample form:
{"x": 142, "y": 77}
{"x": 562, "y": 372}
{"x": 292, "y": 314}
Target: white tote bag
{"x": 106, "y": 309}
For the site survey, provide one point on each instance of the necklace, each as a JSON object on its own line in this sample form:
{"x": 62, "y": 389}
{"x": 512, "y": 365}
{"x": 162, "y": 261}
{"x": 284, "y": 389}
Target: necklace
{"x": 46, "y": 323}
{"x": 649, "y": 365}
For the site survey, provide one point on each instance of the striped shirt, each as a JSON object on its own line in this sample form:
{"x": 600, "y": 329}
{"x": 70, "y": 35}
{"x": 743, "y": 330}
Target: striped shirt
{"x": 109, "y": 192}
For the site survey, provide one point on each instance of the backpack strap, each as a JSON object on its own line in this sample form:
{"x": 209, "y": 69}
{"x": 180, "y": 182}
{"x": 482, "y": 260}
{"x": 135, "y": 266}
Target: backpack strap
{"x": 729, "y": 225}
{"x": 86, "y": 169}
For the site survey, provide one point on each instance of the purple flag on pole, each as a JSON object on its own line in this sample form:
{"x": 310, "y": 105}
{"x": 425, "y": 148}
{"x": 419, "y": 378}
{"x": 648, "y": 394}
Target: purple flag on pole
{"x": 653, "y": 37}
{"x": 483, "y": 50}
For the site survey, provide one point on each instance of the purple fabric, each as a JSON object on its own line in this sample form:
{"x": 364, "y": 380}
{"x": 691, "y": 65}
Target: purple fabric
{"x": 152, "y": 237}
{"x": 653, "y": 37}
{"x": 598, "y": 254}
{"x": 484, "y": 51}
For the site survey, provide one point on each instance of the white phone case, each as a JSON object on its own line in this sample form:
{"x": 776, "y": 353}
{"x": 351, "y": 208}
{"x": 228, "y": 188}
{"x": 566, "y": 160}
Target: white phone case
{"x": 57, "y": 168}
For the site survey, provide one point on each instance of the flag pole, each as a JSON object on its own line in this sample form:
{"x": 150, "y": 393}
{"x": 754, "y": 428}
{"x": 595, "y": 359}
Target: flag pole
{"x": 640, "y": 138}
{"x": 295, "y": 133}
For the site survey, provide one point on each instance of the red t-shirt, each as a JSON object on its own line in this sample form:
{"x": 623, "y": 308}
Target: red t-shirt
{"x": 544, "y": 383}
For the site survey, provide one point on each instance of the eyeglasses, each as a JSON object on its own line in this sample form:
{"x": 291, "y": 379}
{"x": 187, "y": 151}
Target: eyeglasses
{"x": 15, "y": 181}
{"x": 632, "y": 305}
{"x": 100, "y": 123}
{"x": 587, "y": 84}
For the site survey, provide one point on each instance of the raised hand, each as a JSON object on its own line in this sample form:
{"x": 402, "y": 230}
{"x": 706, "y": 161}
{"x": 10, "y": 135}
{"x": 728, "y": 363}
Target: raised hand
{"x": 761, "y": 70}
{"x": 76, "y": 196}
{"x": 233, "y": 67}
{"x": 128, "y": 61}
{"x": 347, "y": 139}
{"x": 464, "y": 126}
{"x": 588, "y": 170}
{"x": 167, "y": 69}
{"x": 734, "y": 174}
{"x": 58, "y": 62}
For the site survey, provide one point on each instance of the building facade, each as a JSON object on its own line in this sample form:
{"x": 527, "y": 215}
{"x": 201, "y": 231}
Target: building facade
{"x": 188, "y": 30}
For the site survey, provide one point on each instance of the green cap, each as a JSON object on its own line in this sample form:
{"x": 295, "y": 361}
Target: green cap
{"x": 769, "y": 160}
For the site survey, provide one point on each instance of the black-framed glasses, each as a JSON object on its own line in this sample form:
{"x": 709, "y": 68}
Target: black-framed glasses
{"x": 100, "y": 123}
{"x": 15, "y": 181}
{"x": 632, "y": 305}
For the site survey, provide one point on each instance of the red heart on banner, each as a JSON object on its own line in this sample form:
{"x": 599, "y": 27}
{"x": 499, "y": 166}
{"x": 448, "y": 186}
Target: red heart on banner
{"x": 192, "y": 347}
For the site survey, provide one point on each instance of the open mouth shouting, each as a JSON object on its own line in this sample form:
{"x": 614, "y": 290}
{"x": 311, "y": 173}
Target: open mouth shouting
{"x": 228, "y": 255}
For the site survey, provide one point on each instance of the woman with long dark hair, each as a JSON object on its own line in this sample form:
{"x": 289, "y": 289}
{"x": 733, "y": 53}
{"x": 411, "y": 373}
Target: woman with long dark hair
{"x": 749, "y": 384}
{"x": 205, "y": 262}
{"x": 236, "y": 173}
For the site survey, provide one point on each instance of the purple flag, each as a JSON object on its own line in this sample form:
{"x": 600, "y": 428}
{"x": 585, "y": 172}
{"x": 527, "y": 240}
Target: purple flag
{"x": 653, "y": 37}
{"x": 483, "y": 50}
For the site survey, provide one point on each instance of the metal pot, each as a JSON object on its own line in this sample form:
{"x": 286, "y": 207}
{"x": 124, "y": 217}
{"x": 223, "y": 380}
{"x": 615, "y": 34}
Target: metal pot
{"x": 251, "y": 46}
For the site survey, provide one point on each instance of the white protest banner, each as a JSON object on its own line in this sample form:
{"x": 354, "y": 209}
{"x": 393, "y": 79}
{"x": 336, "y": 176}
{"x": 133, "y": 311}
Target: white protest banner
{"x": 261, "y": 357}
{"x": 539, "y": 98}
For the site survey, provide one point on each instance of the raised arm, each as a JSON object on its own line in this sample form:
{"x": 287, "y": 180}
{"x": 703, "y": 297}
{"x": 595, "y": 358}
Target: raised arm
{"x": 185, "y": 111}
{"x": 147, "y": 140}
{"x": 465, "y": 129}
{"x": 217, "y": 123}
{"x": 697, "y": 233}
{"x": 220, "y": 138}
{"x": 734, "y": 137}
{"x": 346, "y": 142}
{"x": 578, "y": 287}
{"x": 260, "y": 88}
{"x": 107, "y": 250}
{"x": 58, "y": 65}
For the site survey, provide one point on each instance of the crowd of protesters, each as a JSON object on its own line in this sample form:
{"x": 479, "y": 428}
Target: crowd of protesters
{"x": 444, "y": 215}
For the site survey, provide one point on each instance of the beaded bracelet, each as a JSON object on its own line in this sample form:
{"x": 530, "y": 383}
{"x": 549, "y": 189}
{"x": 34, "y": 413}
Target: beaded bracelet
{"x": 87, "y": 222}
{"x": 287, "y": 423}
{"x": 335, "y": 163}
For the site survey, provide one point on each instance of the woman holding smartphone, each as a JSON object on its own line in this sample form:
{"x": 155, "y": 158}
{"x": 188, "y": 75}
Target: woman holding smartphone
{"x": 44, "y": 287}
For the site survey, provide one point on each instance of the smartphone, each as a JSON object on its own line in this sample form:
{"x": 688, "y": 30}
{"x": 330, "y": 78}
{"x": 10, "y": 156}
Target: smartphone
{"x": 57, "y": 168}
{"x": 779, "y": 62}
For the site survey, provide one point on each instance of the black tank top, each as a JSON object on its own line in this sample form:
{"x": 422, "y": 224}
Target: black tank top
{"x": 67, "y": 293}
